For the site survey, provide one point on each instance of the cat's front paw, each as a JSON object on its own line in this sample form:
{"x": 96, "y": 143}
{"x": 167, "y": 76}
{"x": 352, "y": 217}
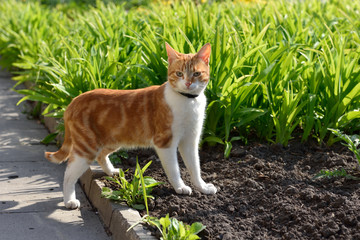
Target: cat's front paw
{"x": 112, "y": 171}
{"x": 186, "y": 190}
{"x": 115, "y": 171}
{"x": 207, "y": 188}
{"x": 72, "y": 204}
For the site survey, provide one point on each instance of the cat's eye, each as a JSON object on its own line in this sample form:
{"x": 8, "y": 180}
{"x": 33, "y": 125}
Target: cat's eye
{"x": 179, "y": 74}
{"x": 197, "y": 74}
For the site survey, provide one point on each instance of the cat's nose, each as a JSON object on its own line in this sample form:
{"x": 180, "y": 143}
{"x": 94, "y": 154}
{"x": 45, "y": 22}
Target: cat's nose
{"x": 188, "y": 84}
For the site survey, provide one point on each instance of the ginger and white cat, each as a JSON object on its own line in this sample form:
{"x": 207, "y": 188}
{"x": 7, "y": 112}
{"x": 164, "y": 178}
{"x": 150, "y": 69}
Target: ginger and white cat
{"x": 167, "y": 117}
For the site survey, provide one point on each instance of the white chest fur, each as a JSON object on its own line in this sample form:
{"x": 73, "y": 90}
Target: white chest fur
{"x": 188, "y": 114}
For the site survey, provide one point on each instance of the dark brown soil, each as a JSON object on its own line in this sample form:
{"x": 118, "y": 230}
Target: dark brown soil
{"x": 265, "y": 192}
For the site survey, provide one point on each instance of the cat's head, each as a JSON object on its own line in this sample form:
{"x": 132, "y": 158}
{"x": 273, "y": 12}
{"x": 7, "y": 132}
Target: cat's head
{"x": 189, "y": 73}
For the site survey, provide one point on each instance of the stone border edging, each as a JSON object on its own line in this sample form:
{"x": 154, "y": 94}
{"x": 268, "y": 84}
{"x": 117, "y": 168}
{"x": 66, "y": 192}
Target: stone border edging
{"x": 117, "y": 217}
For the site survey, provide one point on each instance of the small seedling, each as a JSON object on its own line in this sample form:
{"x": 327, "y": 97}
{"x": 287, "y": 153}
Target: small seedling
{"x": 351, "y": 141}
{"x": 171, "y": 228}
{"x": 331, "y": 174}
{"x": 134, "y": 193}
{"x": 116, "y": 157}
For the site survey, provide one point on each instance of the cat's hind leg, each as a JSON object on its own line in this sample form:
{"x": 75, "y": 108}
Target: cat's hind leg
{"x": 75, "y": 168}
{"x": 105, "y": 163}
{"x": 169, "y": 161}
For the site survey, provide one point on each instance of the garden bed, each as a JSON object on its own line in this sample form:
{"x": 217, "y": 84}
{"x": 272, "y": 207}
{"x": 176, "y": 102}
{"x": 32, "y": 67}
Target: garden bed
{"x": 279, "y": 69}
{"x": 265, "y": 192}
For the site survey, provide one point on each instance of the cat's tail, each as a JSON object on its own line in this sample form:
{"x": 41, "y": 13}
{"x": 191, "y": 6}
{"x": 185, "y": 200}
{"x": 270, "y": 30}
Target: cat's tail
{"x": 64, "y": 152}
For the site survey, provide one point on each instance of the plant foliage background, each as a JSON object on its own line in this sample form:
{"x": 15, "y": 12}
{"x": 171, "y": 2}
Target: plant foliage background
{"x": 279, "y": 69}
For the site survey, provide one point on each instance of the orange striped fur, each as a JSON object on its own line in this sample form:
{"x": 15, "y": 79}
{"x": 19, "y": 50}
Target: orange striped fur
{"x": 107, "y": 119}
{"x": 165, "y": 117}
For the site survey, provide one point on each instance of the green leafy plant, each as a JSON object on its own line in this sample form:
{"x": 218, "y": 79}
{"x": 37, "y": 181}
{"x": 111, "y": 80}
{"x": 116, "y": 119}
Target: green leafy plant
{"x": 171, "y": 228}
{"x": 279, "y": 70}
{"x": 134, "y": 193}
{"x": 333, "y": 174}
{"x": 351, "y": 141}
{"x": 49, "y": 138}
{"x": 116, "y": 157}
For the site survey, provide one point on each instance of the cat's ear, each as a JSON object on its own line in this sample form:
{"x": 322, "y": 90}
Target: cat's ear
{"x": 172, "y": 54}
{"x": 204, "y": 53}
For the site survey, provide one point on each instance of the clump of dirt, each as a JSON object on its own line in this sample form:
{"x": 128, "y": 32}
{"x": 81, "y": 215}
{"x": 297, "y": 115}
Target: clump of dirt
{"x": 265, "y": 192}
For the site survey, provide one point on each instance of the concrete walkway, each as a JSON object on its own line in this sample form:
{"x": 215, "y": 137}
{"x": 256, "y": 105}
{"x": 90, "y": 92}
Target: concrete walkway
{"x": 31, "y": 205}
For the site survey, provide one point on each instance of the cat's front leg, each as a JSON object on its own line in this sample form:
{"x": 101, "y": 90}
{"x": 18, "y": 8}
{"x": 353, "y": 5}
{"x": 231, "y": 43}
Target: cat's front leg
{"x": 189, "y": 151}
{"x": 168, "y": 158}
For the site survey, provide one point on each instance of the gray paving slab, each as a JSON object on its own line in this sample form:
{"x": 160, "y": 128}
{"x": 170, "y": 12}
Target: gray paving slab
{"x": 23, "y": 153}
{"x": 14, "y": 137}
{"x": 49, "y": 225}
{"x": 5, "y": 85}
{"x": 31, "y": 204}
{"x": 6, "y": 121}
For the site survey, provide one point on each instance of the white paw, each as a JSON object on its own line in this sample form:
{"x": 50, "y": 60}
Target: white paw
{"x": 115, "y": 171}
{"x": 112, "y": 171}
{"x": 207, "y": 188}
{"x": 183, "y": 190}
{"x": 72, "y": 204}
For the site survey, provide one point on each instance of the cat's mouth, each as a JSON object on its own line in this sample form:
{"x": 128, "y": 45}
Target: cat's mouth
{"x": 193, "y": 91}
{"x": 193, "y": 88}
